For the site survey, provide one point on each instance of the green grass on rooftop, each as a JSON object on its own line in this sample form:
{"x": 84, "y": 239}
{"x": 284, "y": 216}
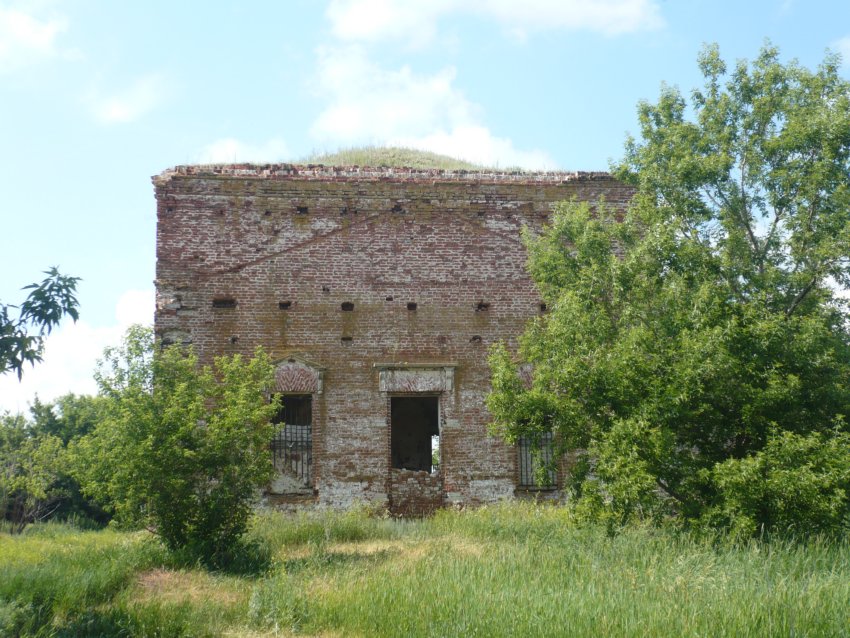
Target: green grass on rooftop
{"x": 391, "y": 156}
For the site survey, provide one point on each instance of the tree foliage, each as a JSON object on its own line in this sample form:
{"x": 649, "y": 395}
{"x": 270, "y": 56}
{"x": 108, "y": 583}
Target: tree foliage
{"x": 182, "y": 448}
{"x": 36, "y": 479}
{"x": 29, "y": 474}
{"x": 22, "y": 338}
{"x": 695, "y": 347}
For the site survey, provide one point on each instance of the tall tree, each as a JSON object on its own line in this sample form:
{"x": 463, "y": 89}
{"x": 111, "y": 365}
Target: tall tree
{"x": 22, "y": 338}
{"x": 694, "y": 344}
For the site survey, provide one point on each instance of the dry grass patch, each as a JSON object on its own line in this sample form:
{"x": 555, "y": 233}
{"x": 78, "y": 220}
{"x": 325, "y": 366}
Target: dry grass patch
{"x": 194, "y": 587}
{"x": 369, "y": 548}
{"x": 403, "y": 550}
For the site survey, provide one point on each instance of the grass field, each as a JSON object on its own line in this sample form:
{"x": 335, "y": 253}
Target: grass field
{"x": 513, "y": 570}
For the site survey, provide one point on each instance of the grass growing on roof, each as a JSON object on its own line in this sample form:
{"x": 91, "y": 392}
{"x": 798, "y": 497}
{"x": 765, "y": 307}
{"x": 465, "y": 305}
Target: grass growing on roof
{"x": 391, "y": 156}
{"x": 512, "y": 569}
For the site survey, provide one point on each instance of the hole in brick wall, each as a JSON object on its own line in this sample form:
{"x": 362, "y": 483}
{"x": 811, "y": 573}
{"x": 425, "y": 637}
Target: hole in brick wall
{"x": 268, "y": 213}
{"x": 397, "y": 208}
{"x": 345, "y": 210}
{"x": 234, "y": 339}
{"x": 325, "y": 289}
{"x": 169, "y": 209}
{"x": 415, "y": 433}
{"x": 475, "y": 339}
{"x": 285, "y": 305}
{"x": 411, "y": 305}
{"x": 224, "y": 302}
{"x": 347, "y": 306}
{"x": 300, "y": 210}
{"x": 482, "y": 306}
{"x": 480, "y": 213}
{"x": 542, "y": 307}
{"x": 346, "y": 339}
{"x": 389, "y": 298}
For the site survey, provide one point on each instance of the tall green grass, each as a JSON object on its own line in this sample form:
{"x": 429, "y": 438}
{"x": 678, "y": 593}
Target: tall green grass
{"x": 528, "y": 570}
{"x": 516, "y": 569}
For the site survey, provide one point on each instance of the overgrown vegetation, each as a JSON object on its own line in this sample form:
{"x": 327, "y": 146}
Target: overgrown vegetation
{"x": 696, "y": 350}
{"x": 507, "y": 570}
{"x": 390, "y": 156}
{"x": 36, "y": 481}
{"x": 181, "y": 449}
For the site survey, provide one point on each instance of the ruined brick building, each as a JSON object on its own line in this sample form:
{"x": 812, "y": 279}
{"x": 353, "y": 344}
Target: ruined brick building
{"x": 378, "y": 293}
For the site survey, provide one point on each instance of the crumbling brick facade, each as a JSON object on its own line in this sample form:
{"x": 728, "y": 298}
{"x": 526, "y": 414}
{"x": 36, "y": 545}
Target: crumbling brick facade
{"x": 368, "y": 287}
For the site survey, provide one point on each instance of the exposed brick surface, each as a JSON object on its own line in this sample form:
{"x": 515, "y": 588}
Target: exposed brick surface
{"x": 325, "y": 264}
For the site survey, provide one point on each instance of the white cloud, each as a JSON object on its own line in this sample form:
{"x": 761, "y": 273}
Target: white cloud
{"x": 142, "y": 96}
{"x": 372, "y": 105}
{"x": 71, "y": 353}
{"x": 842, "y": 46}
{"x": 414, "y": 22}
{"x": 26, "y": 39}
{"x": 229, "y": 150}
{"x": 478, "y": 145}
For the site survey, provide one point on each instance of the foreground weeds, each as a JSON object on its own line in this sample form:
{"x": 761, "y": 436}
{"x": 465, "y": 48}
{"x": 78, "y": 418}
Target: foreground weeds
{"x": 508, "y": 570}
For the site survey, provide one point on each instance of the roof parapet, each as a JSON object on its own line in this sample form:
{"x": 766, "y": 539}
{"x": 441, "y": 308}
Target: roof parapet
{"x": 321, "y": 172}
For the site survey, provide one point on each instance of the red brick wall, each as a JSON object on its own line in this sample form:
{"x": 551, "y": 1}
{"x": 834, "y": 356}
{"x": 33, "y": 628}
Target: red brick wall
{"x": 317, "y": 237}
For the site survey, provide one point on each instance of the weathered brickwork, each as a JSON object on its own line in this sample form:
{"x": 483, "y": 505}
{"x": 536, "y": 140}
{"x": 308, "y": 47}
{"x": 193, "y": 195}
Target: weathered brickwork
{"x": 364, "y": 284}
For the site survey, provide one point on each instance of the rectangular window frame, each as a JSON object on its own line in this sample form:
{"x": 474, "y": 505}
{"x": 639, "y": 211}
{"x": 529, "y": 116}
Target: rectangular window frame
{"x": 531, "y": 457}
{"x": 292, "y": 444}
{"x": 434, "y": 468}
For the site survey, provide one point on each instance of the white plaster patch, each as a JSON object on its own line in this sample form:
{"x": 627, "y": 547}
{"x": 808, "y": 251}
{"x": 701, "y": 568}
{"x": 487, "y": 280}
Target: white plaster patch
{"x": 489, "y": 490}
{"x": 347, "y": 494}
{"x": 323, "y": 225}
{"x": 283, "y": 483}
{"x": 450, "y": 424}
{"x": 491, "y": 223}
{"x": 417, "y": 380}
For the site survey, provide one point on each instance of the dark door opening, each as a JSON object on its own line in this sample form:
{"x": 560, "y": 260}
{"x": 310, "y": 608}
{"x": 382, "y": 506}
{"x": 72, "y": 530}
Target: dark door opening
{"x": 415, "y": 433}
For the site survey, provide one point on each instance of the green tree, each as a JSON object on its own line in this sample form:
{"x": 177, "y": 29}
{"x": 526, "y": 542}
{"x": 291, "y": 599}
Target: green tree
{"x": 36, "y": 479}
{"x": 68, "y": 418}
{"x": 692, "y": 344}
{"x": 30, "y": 467}
{"x": 181, "y": 449}
{"x": 22, "y": 338}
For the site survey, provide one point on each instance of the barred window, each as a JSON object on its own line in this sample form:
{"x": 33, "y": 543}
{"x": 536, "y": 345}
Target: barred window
{"x": 536, "y": 469}
{"x": 292, "y": 446}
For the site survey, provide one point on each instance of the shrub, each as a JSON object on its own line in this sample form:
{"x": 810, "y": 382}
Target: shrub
{"x": 182, "y": 449}
{"x": 799, "y": 484}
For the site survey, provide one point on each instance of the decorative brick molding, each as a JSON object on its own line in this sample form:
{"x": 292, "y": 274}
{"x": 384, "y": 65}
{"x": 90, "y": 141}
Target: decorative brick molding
{"x": 425, "y": 377}
{"x": 296, "y": 376}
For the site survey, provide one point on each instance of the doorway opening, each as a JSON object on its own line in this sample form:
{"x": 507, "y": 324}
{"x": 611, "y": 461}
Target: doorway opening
{"x": 415, "y": 433}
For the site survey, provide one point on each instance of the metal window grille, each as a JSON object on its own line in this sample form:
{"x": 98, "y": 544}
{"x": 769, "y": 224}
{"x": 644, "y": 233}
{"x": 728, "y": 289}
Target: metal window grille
{"x": 292, "y": 446}
{"x": 536, "y": 469}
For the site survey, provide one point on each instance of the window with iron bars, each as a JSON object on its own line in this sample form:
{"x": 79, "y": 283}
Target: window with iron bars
{"x": 292, "y": 446}
{"x": 536, "y": 470}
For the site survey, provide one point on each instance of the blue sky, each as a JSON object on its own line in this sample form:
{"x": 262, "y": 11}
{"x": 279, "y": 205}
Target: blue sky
{"x": 96, "y": 96}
